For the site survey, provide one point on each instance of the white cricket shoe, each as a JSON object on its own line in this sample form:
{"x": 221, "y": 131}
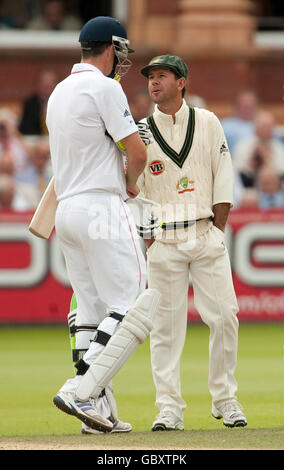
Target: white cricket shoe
{"x": 231, "y": 413}
{"x": 118, "y": 426}
{"x": 82, "y": 410}
{"x": 167, "y": 421}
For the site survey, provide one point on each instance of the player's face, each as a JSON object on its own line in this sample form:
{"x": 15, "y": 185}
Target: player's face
{"x": 163, "y": 86}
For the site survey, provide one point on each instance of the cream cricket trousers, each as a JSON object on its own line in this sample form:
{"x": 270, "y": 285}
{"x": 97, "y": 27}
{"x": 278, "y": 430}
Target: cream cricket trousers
{"x": 215, "y": 300}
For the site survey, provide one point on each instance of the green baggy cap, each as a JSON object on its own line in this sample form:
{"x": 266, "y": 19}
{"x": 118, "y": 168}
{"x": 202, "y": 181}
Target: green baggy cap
{"x": 173, "y": 62}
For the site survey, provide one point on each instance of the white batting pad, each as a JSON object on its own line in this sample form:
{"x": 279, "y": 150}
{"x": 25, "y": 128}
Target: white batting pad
{"x": 111, "y": 401}
{"x": 133, "y": 330}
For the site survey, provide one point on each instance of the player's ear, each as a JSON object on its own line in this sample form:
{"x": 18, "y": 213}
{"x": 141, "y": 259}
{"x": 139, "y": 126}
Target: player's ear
{"x": 110, "y": 50}
{"x": 181, "y": 83}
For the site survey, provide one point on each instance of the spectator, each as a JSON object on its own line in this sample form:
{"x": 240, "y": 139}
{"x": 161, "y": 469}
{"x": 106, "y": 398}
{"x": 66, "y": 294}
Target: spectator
{"x": 14, "y": 14}
{"x": 238, "y": 190}
{"x": 38, "y": 173}
{"x": 259, "y": 150}
{"x": 6, "y": 163}
{"x": 32, "y": 120}
{"x": 269, "y": 186}
{"x": 249, "y": 199}
{"x": 241, "y": 125}
{"x": 7, "y": 191}
{"x": 13, "y": 152}
{"x": 6, "y": 18}
{"x": 140, "y": 104}
{"x": 54, "y": 18}
{"x": 13, "y": 197}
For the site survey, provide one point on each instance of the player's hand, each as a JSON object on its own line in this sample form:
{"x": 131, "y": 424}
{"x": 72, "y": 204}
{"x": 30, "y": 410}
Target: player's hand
{"x": 132, "y": 189}
{"x": 149, "y": 242}
{"x": 220, "y": 227}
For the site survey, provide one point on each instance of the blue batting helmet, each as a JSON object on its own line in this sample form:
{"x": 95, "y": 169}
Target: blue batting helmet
{"x": 102, "y": 28}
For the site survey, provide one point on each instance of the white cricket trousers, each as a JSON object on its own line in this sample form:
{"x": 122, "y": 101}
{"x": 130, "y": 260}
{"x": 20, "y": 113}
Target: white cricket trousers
{"x": 215, "y": 300}
{"x": 104, "y": 261}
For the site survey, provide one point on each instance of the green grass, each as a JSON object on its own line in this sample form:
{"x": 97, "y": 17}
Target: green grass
{"x": 36, "y": 361}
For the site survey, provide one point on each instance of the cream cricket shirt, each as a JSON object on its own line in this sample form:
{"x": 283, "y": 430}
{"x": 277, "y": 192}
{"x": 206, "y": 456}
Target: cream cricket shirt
{"x": 80, "y": 110}
{"x": 189, "y": 167}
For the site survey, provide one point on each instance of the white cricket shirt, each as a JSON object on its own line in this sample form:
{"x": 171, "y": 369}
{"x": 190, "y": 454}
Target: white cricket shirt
{"x": 80, "y": 110}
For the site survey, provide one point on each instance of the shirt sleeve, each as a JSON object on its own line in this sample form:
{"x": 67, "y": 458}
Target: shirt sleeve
{"x": 114, "y": 110}
{"x": 222, "y": 168}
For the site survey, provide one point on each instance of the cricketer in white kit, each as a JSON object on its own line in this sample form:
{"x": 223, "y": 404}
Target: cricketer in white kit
{"x": 87, "y": 114}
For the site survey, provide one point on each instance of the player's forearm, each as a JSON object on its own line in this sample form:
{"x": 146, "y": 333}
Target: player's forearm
{"x": 136, "y": 157}
{"x": 135, "y": 167}
{"x": 221, "y": 213}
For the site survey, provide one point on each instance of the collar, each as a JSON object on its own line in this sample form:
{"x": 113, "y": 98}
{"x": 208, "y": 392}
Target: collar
{"x": 167, "y": 119}
{"x": 84, "y": 67}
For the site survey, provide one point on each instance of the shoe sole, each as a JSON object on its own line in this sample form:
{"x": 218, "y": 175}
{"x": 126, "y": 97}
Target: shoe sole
{"x": 61, "y": 405}
{"x": 83, "y": 431}
{"x": 120, "y": 430}
{"x": 162, "y": 427}
{"x": 237, "y": 424}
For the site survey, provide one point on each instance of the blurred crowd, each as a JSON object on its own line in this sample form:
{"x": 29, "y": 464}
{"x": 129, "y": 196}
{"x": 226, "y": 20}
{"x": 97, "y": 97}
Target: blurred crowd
{"x": 256, "y": 148}
{"x": 25, "y": 167}
{"x": 58, "y": 15}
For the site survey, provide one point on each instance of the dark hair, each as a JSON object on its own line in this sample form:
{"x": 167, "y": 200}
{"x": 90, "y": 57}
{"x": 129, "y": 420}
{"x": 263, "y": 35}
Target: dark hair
{"x": 93, "y": 48}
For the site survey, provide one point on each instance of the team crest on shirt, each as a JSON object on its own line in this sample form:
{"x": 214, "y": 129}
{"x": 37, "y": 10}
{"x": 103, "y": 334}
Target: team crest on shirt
{"x": 184, "y": 185}
{"x": 156, "y": 167}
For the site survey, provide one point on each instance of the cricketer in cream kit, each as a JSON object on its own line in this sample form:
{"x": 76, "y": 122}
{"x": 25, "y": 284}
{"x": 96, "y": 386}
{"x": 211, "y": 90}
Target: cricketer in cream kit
{"x": 197, "y": 175}
{"x": 188, "y": 192}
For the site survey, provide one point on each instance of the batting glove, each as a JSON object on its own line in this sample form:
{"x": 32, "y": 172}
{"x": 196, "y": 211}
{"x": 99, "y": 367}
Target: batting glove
{"x": 145, "y": 133}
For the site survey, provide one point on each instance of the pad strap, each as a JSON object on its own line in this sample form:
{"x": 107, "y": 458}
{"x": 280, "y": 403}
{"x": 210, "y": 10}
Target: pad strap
{"x": 77, "y": 354}
{"x": 73, "y": 328}
{"x": 116, "y": 316}
{"x": 81, "y": 367}
{"x": 101, "y": 336}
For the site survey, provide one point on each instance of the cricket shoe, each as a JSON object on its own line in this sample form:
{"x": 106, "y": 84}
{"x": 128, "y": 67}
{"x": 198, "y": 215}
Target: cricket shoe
{"x": 231, "y": 413}
{"x": 118, "y": 426}
{"x": 167, "y": 421}
{"x": 82, "y": 410}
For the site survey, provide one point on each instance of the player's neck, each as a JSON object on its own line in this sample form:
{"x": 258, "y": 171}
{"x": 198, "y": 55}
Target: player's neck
{"x": 100, "y": 62}
{"x": 171, "y": 107}
{"x": 94, "y": 63}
